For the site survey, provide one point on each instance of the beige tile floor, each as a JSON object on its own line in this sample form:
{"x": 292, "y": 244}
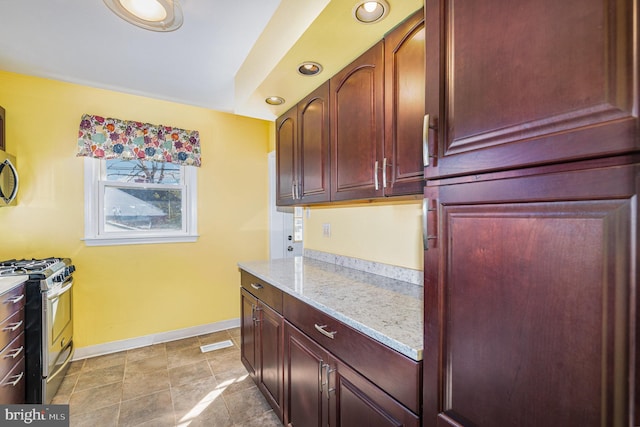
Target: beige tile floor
{"x": 169, "y": 384}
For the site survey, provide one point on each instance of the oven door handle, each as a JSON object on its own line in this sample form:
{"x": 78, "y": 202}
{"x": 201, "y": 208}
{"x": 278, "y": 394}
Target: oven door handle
{"x": 65, "y": 363}
{"x": 61, "y": 291}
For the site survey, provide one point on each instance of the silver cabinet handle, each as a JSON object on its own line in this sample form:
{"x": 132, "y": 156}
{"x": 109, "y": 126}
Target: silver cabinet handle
{"x": 16, "y": 381}
{"x": 254, "y": 310}
{"x": 425, "y": 224}
{"x": 256, "y": 286}
{"x": 375, "y": 175}
{"x": 293, "y": 190}
{"x": 15, "y": 299}
{"x": 323, "y": 331}
{"x": 12, "y": 326}
{"x": 425, "y": 140}
{"x": 14, "y": 353}
{"x": 329, "y": 372}
{"x": 384, "y": 172}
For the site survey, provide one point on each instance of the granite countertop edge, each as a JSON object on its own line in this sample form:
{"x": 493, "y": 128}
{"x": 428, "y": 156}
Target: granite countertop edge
{"x": 257, "y": 268}
{"x": 9, "y": 282}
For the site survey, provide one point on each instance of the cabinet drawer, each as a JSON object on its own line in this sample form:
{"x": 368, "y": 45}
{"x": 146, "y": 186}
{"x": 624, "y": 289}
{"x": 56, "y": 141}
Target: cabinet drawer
{"x": 11, "y": 354}
{"x": 10, "y": 328}
{"x": 395, "y": 373}
{"x": 262, "y": 290}
{"x": 12, "y": 389}
{"x": 11, "y": 301}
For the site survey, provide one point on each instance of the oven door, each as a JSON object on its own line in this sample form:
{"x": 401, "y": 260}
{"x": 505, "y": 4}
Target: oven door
{"x": 57, "y": 330}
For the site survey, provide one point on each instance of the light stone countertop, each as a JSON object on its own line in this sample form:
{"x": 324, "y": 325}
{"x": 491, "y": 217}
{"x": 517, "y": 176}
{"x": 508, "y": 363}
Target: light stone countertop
{"x": 385, "y": 309}
{"x": 9, "y": 282}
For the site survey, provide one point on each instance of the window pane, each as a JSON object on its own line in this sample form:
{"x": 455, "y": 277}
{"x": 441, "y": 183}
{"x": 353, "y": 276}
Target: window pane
{"x": 142, "y": 209}
{"x": 142, "y": 171}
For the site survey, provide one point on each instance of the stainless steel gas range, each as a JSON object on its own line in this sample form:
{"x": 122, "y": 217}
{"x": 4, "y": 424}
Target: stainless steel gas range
{"x": 48, "y": 323}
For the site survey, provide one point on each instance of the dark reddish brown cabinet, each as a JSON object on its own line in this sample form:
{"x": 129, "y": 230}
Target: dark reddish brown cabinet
{"x": 359, "y": 135}
{"x": 357, "y": 127}
{"x": 302, "y": 151}
{"x": 12, "y": 345}
{"x": 286, "y": 139}
{"x": 513, "y": 84}
{"x": 322, "y": 390}
{"x": 377, "y": 106}
{"x": 404, "y": 62}
{"x": 531, "y": 294}
{"x": 531, "y": 218}
{"x": 262, "y": 329}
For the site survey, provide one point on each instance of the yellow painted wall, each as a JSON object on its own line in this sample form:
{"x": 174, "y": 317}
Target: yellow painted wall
{"x": 130, "y": 291}
{"x": 390, "y": 233}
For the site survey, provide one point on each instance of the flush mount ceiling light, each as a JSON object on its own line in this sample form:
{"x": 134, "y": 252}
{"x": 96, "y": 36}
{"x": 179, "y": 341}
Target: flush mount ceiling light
{"x": 154, "y": 15}
{"x": 274, "y": 100}
{"x": 368, "y": 12}
{"x": 309, "y": 68}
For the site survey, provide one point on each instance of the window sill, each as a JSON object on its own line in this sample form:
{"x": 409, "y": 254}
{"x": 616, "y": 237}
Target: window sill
{"x": 116, "y": 241}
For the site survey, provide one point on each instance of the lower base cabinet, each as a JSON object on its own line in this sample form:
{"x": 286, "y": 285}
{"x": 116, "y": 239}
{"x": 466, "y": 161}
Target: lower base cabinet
{"x": 316, "y": 371}
{"x": 261, "y": 347}
{"x": 12, "y": 363}
{"x": 321, "y": 390}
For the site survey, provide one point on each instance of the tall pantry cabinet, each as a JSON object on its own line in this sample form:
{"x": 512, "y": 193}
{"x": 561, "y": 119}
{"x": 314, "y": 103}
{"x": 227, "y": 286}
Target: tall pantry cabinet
{"x": 531, "y": 213}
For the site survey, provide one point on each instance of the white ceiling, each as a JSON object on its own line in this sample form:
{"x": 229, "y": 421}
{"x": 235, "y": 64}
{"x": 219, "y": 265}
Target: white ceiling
{"x": 229, "y": 55}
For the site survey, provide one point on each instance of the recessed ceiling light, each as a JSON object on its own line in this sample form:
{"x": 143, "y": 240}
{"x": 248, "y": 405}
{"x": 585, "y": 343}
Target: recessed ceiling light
{"x": 368, "y": 12}
{"x": 309, "y": 68}
{"x": 154, "y": 15}
{"x": 274, "y": 100}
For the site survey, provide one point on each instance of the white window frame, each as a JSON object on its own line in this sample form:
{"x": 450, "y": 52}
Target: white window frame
{"x": 94, "y": 234}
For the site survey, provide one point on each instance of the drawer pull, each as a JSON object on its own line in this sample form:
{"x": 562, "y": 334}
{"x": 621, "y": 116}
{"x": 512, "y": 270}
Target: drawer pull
{"x": 323, "y": 331}
{"x": 15, "y": 299}
{"x": 14, "y": 353}
{"x": 16, "y": 381}
{"x": 256, "y": 286}
{"x": 12, "y": 326}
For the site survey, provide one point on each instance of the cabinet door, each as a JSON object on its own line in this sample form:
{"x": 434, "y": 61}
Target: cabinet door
{"x": 306, "y": 403}
{"x": 404, "y": 49}
{"x": 271, "y": 357}
{"x": 248, "y": 332}
{"x": 357, "y": 103}
{"x": 286, "y": 168}
{"x": 515, "y": 83}
{"x": 531, "y": 299}
{"x": 357, "y": 402}
{"x": 313, "y": 146}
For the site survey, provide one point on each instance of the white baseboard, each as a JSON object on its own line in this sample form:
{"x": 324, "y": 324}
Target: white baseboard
{"x": 129, "y": 344}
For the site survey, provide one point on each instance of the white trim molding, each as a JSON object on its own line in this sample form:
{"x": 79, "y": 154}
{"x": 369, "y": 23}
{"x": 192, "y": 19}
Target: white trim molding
{"x": 132, "y": 343}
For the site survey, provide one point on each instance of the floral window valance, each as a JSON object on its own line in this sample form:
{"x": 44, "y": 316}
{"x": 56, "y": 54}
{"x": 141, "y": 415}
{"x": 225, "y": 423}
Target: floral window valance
{"x": 108, "y": 138}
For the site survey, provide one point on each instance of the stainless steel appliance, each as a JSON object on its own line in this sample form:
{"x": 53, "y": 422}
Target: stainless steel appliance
{"x": 8, "y": 179}
{"x": 49, "y": 323}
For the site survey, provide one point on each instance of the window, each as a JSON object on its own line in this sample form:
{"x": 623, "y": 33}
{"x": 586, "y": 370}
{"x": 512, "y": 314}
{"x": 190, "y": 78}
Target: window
{"x": 139, "y": 201}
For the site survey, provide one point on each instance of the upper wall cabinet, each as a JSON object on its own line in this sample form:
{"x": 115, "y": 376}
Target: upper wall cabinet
{"x": 501, "y": 94}
{"x": 357, "y": 127}
{"x": 313, "y": 146}
{"x": 404, "y": 51}
{"x": 286, "y": 138}
{"x": 302, "y": 150}
{"x": 359, "y": 136}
